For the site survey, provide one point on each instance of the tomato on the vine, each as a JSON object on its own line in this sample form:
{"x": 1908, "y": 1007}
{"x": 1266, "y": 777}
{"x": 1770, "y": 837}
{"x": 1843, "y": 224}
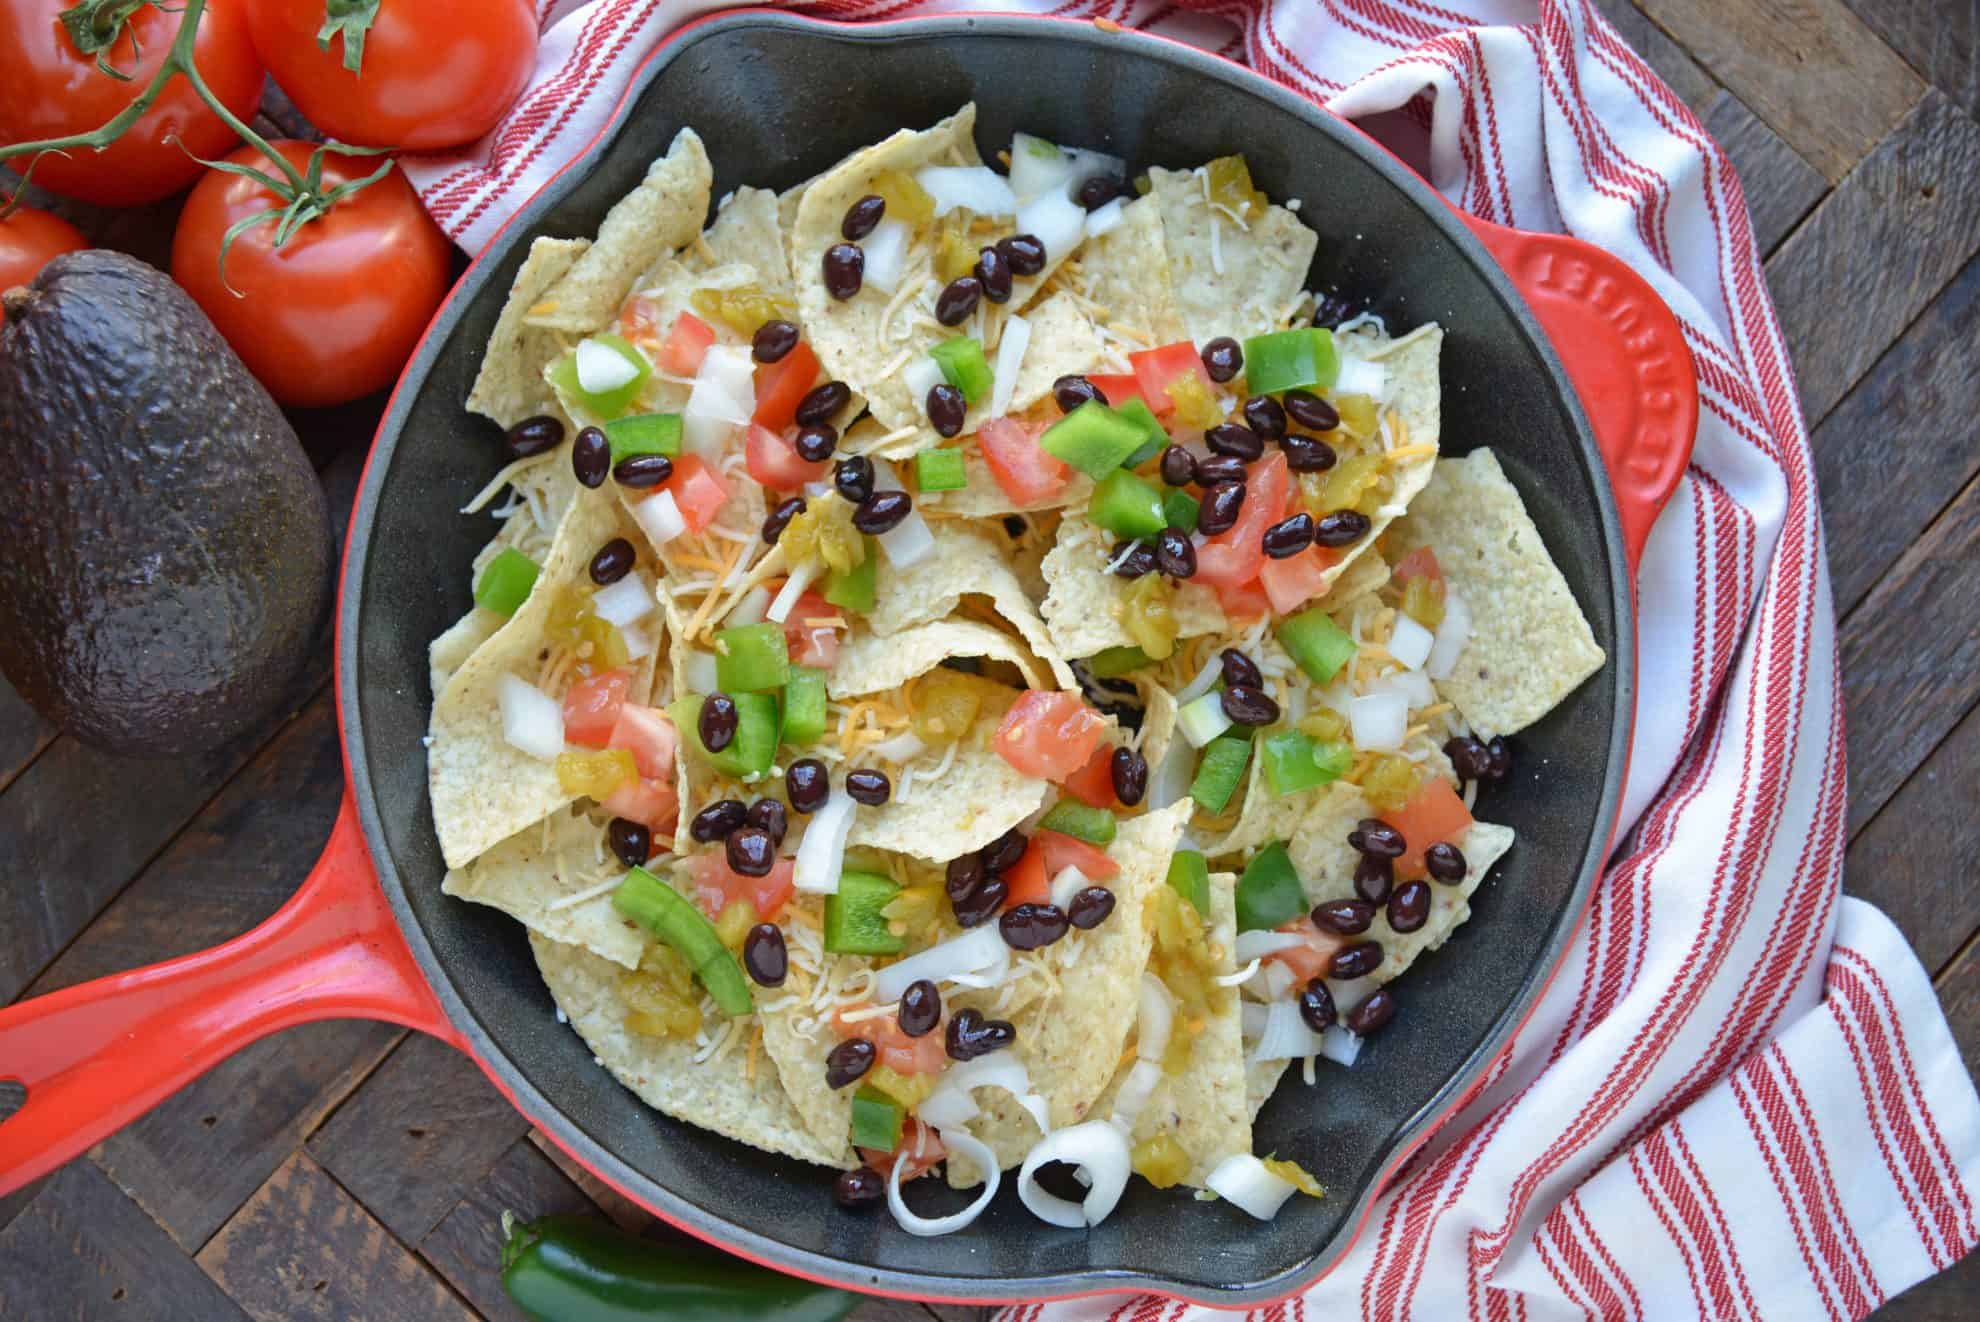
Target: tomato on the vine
{"x": 29, "y": 240}
{"x": 434, "y": 73}
{"x": 51, "y": 90}
{"x": 334, "y": 312}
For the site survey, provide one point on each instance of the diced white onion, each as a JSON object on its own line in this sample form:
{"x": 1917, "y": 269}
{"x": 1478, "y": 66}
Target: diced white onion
{"x": 886, "y": 255}
{"x": 1170, "y": 780}
{"x": 627, "y": 601}
{"x": 921, "y": 376}
{"x": 1010, "y": 355}
{"x": 1452, "y": 635}
{"x": 799, "y": 579}
{"x": 1358, "y": 376}
{"x": 699, "y": 672}
{"x": 1101, "y": 219}
{"x": 750, "y": 609}
{"x": 1055, "y": 220}
{"x": 959, "y": 1141}
{"x": 1135, "y": 1091}
{"x": 1339, "y": 1045}
{"x": 531, "y": 719}
{"x": 1155, "y": 1017}
{"x": 1203, "y": 719}
{"x": 974, "y": 952}
{"x": 1251, "y": 1018}
{"x": 1410, "y": 643}
{"x": 1038, "y": 166}
{"x": 1205, "y": 677}
{"x": 951, "y": 1104}
{"x": 1379, "y": 721}
{"x": 1263, "y": 942}
{"x": 821, "y": 854}
{"x": 723, "y": 397}
{"x": 1070, "y": 882}
{"x": 1242, "y": 1181}
{"x": 600, "y": 367}
{"x": 1286, "y": 1036}
{"x": 976, "y": 188}
{"x": 1413, "y": 685}
{"x": 659, "y": 518}
{"x": 903, "y": 747}
{"x": 1278, "y": 981}
{"x": 638, "y": 642}
{"x": 907, "y": 542}
{"x": 1096, "y": 1147}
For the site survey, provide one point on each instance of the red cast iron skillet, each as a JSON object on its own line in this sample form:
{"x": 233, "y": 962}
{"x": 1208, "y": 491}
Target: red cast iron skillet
{"x": 1555, "y": 355}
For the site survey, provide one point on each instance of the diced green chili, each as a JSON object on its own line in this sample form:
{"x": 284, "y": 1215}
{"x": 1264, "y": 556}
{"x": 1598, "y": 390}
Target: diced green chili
{"x": 1126, "y": 506}
{"x": 1220, "y": 771}
{"x": 1268, "y": 890}
{"x": 1081, "y": 821}
{"x": 940, "y": 470}
{"x": 505, "y": 581}
{"x": 604, "y": 403}
{"x": 1285, "y": 360}
{"x": 1316, "y": 643}
{"x": 1092, "y": 438}
{"x": 1153, "y": 438}
{"x": 856, "y": 919}
{"x": 1294, "y": 761}
{"x": 1189, "y": 874}
{"x": 877, "y": 1120}
{"x": 803, "y": 707}
{"x": 645, "y": 433}
{"x": 751, "y": 658}
{"x": 754, "y": 749}
{"x": 1113, "y": 662}
{"x": 663, "y": 911}
{"x": 1180, "y": 509}
{"x": 963, "y": 366}
{"x": 853, "y": 589}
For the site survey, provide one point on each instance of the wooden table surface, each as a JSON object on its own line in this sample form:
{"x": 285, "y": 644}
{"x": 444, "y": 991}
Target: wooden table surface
{"x": 352, "y": 1170}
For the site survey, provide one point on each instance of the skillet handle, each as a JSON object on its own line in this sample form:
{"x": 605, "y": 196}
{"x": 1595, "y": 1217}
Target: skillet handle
{"x": 95, "y": 1056}
{"x": 1626, "y": 355}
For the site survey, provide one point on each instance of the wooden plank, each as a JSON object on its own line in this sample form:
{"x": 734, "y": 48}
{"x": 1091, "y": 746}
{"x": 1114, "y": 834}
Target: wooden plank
{"x": 423, "y": 1127}
{"x": 627, "y": 1214}
{"x": 83, "y": 1250}
{"x": 1896, "y": 449}
{"x": 1692, "y": 84}
{"x": 1941, "y": 38}
{"x": 302, "y": 1248}
{"x": 466, "y": 1247}
{"x": 23, "y": 734}
{"x": 1878, "y": 249}
{"x": 1780, "y": 186}
{"x": 1911, "y": 657}
{"x": 1810, "y": 68}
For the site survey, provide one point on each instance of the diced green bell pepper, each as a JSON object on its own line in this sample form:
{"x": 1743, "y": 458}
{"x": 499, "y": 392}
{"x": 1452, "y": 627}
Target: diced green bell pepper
{"x": 1180, "y": 509}
{"x": 645, "y": 433}
{"x": 1081, "y": 821}
{"x": 505, "y": 581}
{"x": 963, "y": 366}
{"x": 605, "y": 403}
{"x": 1268, "y": 890}
{"x": 754, "y": 749}
{"x": 1092, "y": 438}
{"x": 1126, "y": 506}
{"x": 855, "y": 921}
{"x": 1295, "y": 760}
{"x": 1189, "y": 874}
{"x": 877, "y": 1120}
{"x": 940, "y": 470}
{"x": 853, "y": 589}
{"x": 804, "y": 707}
{"x": 1316, "y": 643}
{"x": 751, "y": 658}
{"x": 1292, "y": 359}
{"x": 1113, "y": 662}
{"x": 1153, "y": 438}
{"x": 1220, "y": 771}
{"x": 663, "y": 911}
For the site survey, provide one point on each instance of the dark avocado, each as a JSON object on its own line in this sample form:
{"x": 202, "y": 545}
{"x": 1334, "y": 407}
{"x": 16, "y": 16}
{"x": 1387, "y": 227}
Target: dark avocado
{"x": 165, "y": 551}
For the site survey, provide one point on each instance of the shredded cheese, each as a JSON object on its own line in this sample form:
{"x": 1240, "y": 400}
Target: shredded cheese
{"x": 605, "y": 887}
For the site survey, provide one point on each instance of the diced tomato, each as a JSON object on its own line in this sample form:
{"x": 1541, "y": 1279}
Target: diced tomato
{"x": 780, "y": 385}
{"x": 650, "y": 737}
{"x": 1093, "y": 784}
{"x": 1027, "y": 881}
{"x": 1156, "y": 369}
{"x": 1311, "y": 959}
{"x": 898, "y": 1052}
{"x": 1062, "y": 851}
{"x": 591, "y": 707}
{"x": 810, "y": 643}
{"x": 654, "y": 804}
{"x": 1434, "y": 815}
{"x": 687, "y": 343}
{"x": 1049, "y": 735}
{"x": 639, "y": 320}
{"x": 774, "y": 461}
{"x": 1025, "y": 472}
{"x": 1121, "y": 387}
{"x": 717, "y": 885}
{"x": 698, "y": 490}
{"x": 1420, "y": 563}
{"x": 1233, "y": 557}
{"x": 1293, "y": 581}
{"x": 1244, "y": 603}
{"x": 920, "y": 1148}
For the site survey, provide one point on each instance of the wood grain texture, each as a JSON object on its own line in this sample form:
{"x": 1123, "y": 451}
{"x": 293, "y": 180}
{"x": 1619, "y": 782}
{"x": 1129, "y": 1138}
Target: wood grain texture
{"x": 621, "y": 1210}
{"x": 1810, "y": 68}
{"x": 1917, "y": 196}
{"x": 1898, "y": 446}
{"x": 1779, "y": 185}
{"x": 466, "y": 1247}
{"x": 1682, "y": 73}
{"x": 1941, "y": 38}
{"x": 23, "y": 734}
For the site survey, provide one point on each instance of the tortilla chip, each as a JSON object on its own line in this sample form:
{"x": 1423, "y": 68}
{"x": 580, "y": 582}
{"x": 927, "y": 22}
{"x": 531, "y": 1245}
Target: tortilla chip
{"x": 984, "y": 497}
{"x": 1260, "y": 1078}
{"x": 1126, "y": 277}
{"x": 534, "y": 875}
{"x": 448, "y": 652}
{"x": 871, "y": 663}
{"x": 797, "y": 1037}
{"x": 1530, "y": 645}
{"x": 1063, "y": 342}
{"x": 1230, "y": 278}
{"x": 510, "y": 386}
{"x": 659, "y": 216}
{"x": 966, "y": 561}
{"x": 1085, "y": 604}
{"x": 746, "y": 230}
{"x": 1158, "y": 723}
{"x": 1363, "y": 575}
{"x": 976, "y": 799}
{"x": 719, "y": 1094}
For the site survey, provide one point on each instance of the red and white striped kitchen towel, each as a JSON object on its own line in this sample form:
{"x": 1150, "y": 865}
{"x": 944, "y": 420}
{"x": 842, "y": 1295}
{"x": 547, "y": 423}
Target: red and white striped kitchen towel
{"x": 1739, "y": 1098}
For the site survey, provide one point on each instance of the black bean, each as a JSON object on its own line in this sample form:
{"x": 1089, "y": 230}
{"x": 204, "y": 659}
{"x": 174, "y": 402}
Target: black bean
{"x": 1138, "y": 560}
{"x": 1219, "y": 511}
{"x": 591, "y": 457}
{"x": 535, "y": 435}
{"x": 853, "y": 476}
{"x": 946, "y": 408}
{"x": 1309, "y": 410}
{"x": 821, "y": 402}
{"x": 750, "y": 852}
{"x": 862, "y": 216}
{"x": 859, "y": 1188}
{"x": 1316, "y": 1006}
{"x": 642, "y": 470}
{"x": 1212, "y": 469}
{"x": 780, "y": 518}
{"x": 882, "y": 511}
{"x": 868, "y": 787}
{"x": 1444, "y": 863}
{"x": 971, "y": 1035}
{"x": 845, "y": 270}
{"x": 963, "y": 875}
{"x": 771, "y": 817}
{"x": 1356, "y": 961}
{"x": 1469, "y": 757}
{"x": 806, "y": 785}
{"x": 1129, "y": 771}
{"x": 958, "y": 299}
{"x": 1030, "y": 926}
{"x": 718, "y": 722}
{"x": 1501, "y": 758}
{"x": 921, "y": 1009}
{"x": 981, "y": 905}
{"x": 1175, "y": 554}
{"x": 1288, "y": 537}
{"x": 773, "y": 341}
{"x": 1373, "y": 877}
{"x": 1249, "y": 706}
{"x": 1343, "y": 917}
{"x": 1332, "y": 310}
{"x": 1239, "y": 670}
{"x": 718, "y": 820}
{"x": 632, "y": 842}
{"x": 1002, "y": 854}
{"x": 1223, "y": 359}
{"x": 1024, "y": 252}
{"x": 1372, "y": 1014}
{"x": 816, "y": 442}
{"x": 1073, "y": 390}
{"x": 1098, "y": 191}
{"x": 1372, "y": 835}
{"x": 613, "y": 562}
{"x": 848, "y": 1061}
{"x": 1235, "y": 440}
{"x": 1409, "y": 907}
{"x": 1263, "y": 414}
{"x": 1090, "y": 908}
{"x": 1178, "y": 466}
{"x": 765, "y": 956}
{"x": 1341, "y": 528}
{"x": 993, "y": 272}
{"x": 1307, "y": 454}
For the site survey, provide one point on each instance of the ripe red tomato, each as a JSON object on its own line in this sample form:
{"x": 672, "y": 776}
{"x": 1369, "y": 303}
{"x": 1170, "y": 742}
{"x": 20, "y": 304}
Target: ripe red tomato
{"x": 717, "y": 886}
{"x": 29, "y": 240}
{"x": 1049, "y": 735}
{"x": 333, "y": 313}
{"x": 592, "y": 707}
{"x": 52, "y": 90}
{"x": 435, "y": 73}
